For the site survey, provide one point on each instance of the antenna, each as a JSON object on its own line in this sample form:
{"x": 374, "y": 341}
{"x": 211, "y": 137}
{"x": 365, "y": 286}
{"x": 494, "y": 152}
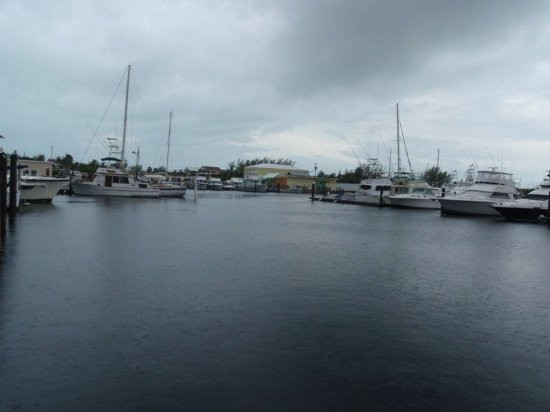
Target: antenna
{"x": 491, "y": 156}
{"x": 398, "y": 143}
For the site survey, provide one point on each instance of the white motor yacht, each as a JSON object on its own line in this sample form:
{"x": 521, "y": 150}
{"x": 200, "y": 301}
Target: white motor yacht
{"x": 374, "y": 184}
{"x": 112, "y": 181}
{"x": 490, "y": 187}
{"x": 533, "y": 207}
{"x": 201, "y": 183}
{"x": 41, "y": 188}
{"x": 414, "y": 193}
{"x": 252, "y": 183}
{"x": 214, "y": 183}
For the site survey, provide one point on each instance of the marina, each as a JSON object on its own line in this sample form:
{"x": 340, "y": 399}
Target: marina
{"x": 270, "y": 300}
{"x": 275, "y": 206}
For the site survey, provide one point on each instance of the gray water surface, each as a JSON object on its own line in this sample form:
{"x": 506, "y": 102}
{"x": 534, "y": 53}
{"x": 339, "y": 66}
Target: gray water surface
{"x": 271, "y": 302}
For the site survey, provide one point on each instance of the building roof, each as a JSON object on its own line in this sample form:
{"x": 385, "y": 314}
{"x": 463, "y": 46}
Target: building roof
{"x": 211, "y": 168}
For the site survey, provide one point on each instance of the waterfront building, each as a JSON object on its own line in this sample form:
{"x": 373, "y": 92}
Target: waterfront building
{"x": 36, "y": 167}
{"x": 288, "y": 178}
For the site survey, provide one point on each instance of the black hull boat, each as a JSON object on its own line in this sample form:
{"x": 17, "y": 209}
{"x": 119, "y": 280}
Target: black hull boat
{"x": 531, "y": 214}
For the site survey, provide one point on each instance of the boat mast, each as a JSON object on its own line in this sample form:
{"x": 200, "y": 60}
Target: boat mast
{"x": 398, "y": 149}
{"x": 168, "y": 150}
{"x": 125, "y": 119}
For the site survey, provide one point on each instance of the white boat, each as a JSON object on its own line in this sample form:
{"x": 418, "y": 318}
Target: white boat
{"x": 490, "y": 187}
{"x": 533, "y": 207}
{"x": 415, "y": 194}
{"x": 113, "y": 180}
{"x": 214, "y": 183}
{"x": 252, "y": 183}
{"x": 228, "y": 186}
{"x": 201, "y": 183}
{"x": 40, "y": 188}
{"x": 162, "y": 183}
{"x": 165, "y": 188}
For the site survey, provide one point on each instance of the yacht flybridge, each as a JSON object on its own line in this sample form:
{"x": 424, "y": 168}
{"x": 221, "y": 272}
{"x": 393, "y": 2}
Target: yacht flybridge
{"x": 490, "y": 188}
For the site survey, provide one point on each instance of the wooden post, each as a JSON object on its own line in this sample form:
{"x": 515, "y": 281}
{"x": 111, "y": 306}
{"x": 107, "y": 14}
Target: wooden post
{"x": 278, "y": 188}
{"x": 442, "y": 192}
{"x": 255, "y": 186}
{"x": 312, "y": 192}
{"x": 13, "y": 185}
{"x": 381, "y": 202}
{"x": 3, "y": 193}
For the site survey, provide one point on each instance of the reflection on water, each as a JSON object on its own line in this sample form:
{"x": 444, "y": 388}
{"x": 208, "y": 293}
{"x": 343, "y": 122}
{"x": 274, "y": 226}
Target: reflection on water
{"x": 265, "y": 301}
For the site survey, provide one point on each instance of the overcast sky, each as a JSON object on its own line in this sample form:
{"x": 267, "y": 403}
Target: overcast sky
{"x": 315, "y": 81}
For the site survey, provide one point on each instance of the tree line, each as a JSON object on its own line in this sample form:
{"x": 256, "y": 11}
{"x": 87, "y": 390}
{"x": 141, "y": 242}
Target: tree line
{"x": 433, "y": 176}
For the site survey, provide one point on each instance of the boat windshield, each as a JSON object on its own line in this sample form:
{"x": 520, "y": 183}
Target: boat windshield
{"x": 494, "y": 177}
{"x": 422, "y": 190}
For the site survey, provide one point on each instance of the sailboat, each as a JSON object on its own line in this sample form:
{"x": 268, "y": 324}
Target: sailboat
{"x": 167, "y": 189}
{"x": 409, "y": 190}
{"x": 113, "y": 179}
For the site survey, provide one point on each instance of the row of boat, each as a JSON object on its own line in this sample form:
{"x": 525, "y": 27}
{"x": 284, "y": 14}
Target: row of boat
{"x": 490, "y": 193}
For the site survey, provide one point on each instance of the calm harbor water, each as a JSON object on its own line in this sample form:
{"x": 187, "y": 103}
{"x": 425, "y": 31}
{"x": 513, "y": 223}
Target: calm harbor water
{"x": 271, "y": 302}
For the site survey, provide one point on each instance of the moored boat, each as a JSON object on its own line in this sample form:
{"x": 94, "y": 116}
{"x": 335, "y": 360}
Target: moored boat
{"x": 535, "y": 205}
{"x": 114, "y": 182}
{"x": 490, "y": 188}
{"x": 40, "y": 188}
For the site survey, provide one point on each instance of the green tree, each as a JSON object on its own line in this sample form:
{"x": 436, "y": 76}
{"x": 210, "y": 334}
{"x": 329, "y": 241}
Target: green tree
{"x": 235, "y": 168}
{"x": 434, "y": 176}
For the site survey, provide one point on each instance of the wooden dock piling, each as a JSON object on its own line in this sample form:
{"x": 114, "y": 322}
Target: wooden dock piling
{"x": 13, "y": 185}
{"x": 3, "y": 193}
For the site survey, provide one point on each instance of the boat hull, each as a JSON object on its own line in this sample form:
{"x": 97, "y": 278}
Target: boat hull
{"x": 522, "y": 213}
{"x": 467, "y": 207}
{"x": 410, "y": 202}
{"x": 364, "y": 199}
{"x": 41, "y": 190}
{"x": 172, "y": 192}
{"x": 89, "y": 189}
{"x": 252, "y": 187}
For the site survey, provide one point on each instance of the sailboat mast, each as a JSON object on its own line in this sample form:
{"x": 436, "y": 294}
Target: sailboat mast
{"x": 398, "y": 143}
{"x": 168, "y": 149}
{"x": 125, "y": 119}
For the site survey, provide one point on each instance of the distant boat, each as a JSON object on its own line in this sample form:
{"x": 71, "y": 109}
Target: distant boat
{"x": 200, "y": 182}
{"x": 490, "y": 187}
{"x": 113, "y": 180}
{"x": 167, "y": 189}
{"x": 374, "y": 184}
{"x": 532, "y": 208}
{"x": 214, "y": 183}
{"x": 252, "y": 183}
{"x": 415, "y": 194}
